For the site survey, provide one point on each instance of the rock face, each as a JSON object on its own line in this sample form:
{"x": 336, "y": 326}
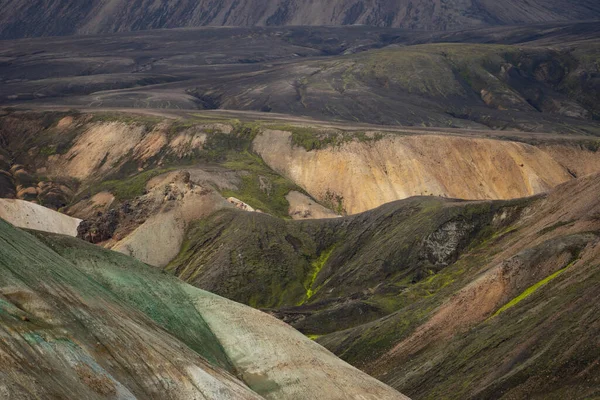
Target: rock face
{"x": 442, "y": 247}
{"x": 359, "y": 176}
{"x": 20, "y": 18}
{"x": 101, "y": 228}
{"x": 240, "y": 205}
{"x": 17, "y": 182}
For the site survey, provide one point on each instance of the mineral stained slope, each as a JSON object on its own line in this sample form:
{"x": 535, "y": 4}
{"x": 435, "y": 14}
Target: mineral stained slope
{"x": 80, "y": 321}
{"x": 65, "y": 335}
{"x": 524, "y": 326}
{"x": 21, "y": 18}
{"x": 364, "y": 175}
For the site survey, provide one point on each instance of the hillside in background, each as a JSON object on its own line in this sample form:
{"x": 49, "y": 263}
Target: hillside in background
{"x": 235, "y": 206}
{"x": 542, "y": 78}
{"x": 429, "y": 294}
{"x": 27, "y": 18}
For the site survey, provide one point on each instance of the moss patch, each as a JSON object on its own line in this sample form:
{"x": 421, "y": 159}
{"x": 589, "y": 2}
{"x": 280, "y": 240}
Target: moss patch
{"x": 311, "y": 138}
{"x": 129, "y": 188}
{"x": 531, "y": 290}
{"x": 317, "y": 265}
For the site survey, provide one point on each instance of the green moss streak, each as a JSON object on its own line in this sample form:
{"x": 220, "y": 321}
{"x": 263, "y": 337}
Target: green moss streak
{"x": 317, "y": 265}
{"x": 531, "y": 290}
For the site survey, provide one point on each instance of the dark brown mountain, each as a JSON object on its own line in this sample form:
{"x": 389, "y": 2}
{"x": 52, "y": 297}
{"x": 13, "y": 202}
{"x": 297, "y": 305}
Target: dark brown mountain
{"x": 538, "y": 77}
{"x": 26, "y": 18}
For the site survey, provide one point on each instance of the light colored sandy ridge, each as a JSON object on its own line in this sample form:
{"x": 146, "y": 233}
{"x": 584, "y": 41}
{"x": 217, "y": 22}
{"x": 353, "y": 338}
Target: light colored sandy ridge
{"x": 303, "y": 207}
{"x": 271, "y": 354}
{"x": 99, "y": 149}
{"x": 24, "y": 214}
{"x": 158, "y": 240}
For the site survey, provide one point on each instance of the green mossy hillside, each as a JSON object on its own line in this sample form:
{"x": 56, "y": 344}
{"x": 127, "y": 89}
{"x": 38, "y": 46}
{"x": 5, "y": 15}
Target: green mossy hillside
{"x": 318, "y": 265}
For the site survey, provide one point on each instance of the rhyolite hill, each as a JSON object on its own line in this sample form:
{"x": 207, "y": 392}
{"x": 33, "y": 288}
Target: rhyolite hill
{"x": 485, "y": 293}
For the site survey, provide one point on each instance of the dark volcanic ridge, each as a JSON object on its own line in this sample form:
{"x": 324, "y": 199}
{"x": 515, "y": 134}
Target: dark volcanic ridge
{"x": 21, "y": 18}
{"x": 542, "y": 78}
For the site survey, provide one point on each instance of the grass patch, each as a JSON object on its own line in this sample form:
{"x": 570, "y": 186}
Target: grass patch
{"x": 48, "y": 151}
{"x": 148, "y": 120}
{"x": 261, "y": 188}
{"x": 129, "y": 188}
{"x": 311, "y": 138}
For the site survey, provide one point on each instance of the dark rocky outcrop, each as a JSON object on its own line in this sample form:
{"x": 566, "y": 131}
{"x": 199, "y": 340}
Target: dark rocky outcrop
{"x": 99, "y": 229}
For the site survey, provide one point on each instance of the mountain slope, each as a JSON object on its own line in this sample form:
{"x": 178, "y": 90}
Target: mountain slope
{"x": 523, "y": 326}
{"x": 127, "y": 175}
{"x": 364, "y": 173}
{"x": 435, "y": 297}
{"x": 20, "y": 18}
{"x": 25, "y": 214}
{"x": 79, "y": 321}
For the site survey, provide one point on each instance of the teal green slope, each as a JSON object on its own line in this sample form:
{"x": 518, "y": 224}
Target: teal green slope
{"x": 66, "y": 334}
{"x": 159, "y": 296}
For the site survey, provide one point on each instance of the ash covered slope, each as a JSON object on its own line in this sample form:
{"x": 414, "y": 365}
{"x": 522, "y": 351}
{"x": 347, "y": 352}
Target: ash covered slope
{"x": 26, "y": 18}
{"x": 79, "y": 321}
{"x": 541, "y": 77}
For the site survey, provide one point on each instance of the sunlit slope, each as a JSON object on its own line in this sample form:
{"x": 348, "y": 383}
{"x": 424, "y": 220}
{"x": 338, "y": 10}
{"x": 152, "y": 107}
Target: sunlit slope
{"x": 361, "y": 173}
